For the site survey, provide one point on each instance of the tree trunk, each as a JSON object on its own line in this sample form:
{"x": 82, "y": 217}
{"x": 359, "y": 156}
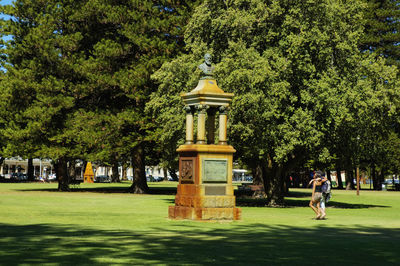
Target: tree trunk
{"x": 273, "y": 182}
{"x": 328, "y": 175}
{"x": 381, "y": 178}
{"x": 115, "y": 173}
{"x": 84, "y": 163}
{"x": 349, "y": 179}
{"x": 339, "y": 178}
{"x": 165, "y": 171}
{"x": 305, "y": 178}
{"x": 257, "y": 174}
{"x": 173, "y": 174}
{"x": 62, "y": 174}
{"x": 30, "y": 170}
{"x": 71, "y": 170}
{"x": 375, "y": 179}
{"x": 139, "y": 184}
{"x": 124, "y": 172}
{"x": 286, "y": 184}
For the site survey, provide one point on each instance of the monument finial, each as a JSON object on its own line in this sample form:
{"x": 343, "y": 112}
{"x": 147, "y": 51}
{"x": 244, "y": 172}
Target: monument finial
{"x": 206, "y": 67}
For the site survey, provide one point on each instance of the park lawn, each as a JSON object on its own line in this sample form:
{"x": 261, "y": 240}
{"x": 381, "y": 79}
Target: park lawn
{"x": 99, "y": 224}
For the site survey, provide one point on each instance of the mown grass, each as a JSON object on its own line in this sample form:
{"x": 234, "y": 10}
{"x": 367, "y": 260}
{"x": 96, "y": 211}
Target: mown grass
{"x": 101, "y": 224}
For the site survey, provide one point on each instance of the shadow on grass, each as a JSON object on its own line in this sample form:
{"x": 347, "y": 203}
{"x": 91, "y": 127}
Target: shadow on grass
{"x": 298, "y": 200}
{"x": 108, "y": 189}
{"x": 299, "y": 194}
{"x": 191, "y": 244}
{"x": 333, "y": 204}
{"x": 292, "y": 203}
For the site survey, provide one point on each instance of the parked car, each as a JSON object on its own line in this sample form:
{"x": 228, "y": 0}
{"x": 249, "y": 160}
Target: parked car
{"x": 158, "y": 178}
{"x": 102, "y": 179}
{"x": 51, "y": 177}
{"x": 18, "y": 177}
{"x": 390, "y": 181}
{"x": 171, "y": 179}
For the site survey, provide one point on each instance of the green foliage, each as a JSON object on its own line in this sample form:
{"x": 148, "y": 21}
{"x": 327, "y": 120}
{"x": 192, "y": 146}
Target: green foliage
{"x": 382, "y": 29}
{"x": 37, "y": 80}
{"x": 302, "y": 87}
{"x": 78, "y": 74}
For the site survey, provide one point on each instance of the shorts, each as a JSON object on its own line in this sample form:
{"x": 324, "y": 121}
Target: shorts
{"x": 317, "y": 197}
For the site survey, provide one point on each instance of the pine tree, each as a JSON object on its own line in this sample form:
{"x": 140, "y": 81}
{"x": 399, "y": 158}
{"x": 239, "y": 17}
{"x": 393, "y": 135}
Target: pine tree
{"x": 78, "y": 73}
{"x": 382, "y": 29}
{"x": 38, "y": 81}
{"x": 117, "y": 74}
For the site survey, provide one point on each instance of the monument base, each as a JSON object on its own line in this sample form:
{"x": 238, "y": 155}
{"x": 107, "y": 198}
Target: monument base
{"x": 194, "y": 202}
{"x": 196, "y": 213}
{"x": 205, "y": 190}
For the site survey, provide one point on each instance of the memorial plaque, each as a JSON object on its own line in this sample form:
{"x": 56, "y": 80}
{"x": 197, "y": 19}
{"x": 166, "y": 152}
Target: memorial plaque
{"x": 215, "y": 170}
{"x": 214, "y": 190}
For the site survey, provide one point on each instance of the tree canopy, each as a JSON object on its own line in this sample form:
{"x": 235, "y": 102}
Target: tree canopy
{"x": 301, "y": 84}
{"x": 314, "y": 81}
{"x": 78, "y": 77}
{"x": 382, "y": 29}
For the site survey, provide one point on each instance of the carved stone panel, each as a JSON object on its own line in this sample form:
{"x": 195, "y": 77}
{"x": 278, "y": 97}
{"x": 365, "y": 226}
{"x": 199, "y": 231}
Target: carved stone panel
{"x": 187, "y": 169}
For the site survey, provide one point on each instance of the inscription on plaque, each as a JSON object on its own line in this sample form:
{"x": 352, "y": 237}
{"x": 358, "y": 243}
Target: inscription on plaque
{"x": 214, "y": 190}
{"x": 215, "y": 170}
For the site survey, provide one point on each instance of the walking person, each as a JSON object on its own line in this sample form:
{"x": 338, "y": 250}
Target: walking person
{"x": 317, "y": 197}
{"x": 326, "y": 195}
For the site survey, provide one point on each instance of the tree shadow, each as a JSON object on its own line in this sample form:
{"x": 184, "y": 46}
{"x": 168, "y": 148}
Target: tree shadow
{"x": 294, "y": 203}
{"x": 298, "y": 200}
{"x": 189, "y": 243}
{"x": 332, "y": 204}
{"x": 299, "y": 194}
{"x": 108, "y": 189}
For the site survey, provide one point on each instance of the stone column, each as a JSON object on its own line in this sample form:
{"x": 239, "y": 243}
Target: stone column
{"x": 201, "y": 124}
{"x": 223, "y": 117}
{"x": 211, "y": 126}
{"x": 189, "y": 125}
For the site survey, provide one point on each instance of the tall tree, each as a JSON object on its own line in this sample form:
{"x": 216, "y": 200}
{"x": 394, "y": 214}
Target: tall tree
{"x": 3, "y": 115}
{"x": 78, "y": 73}
{"x": 293, "y": 66}
{"x": 39, "y": 80}
{"x": 382, "y": 29}
{"x": 117, "y": 72}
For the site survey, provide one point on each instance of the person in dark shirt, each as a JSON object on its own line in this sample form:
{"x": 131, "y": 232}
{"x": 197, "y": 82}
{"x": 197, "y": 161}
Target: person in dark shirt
{"x": 316, "y": 197}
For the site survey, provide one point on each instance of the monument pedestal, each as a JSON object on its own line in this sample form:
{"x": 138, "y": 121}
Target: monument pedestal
{"x": 205, "y": 190}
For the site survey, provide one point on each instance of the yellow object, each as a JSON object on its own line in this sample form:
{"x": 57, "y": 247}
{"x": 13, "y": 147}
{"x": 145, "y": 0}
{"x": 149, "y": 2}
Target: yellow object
{"x": 88, "y": 176}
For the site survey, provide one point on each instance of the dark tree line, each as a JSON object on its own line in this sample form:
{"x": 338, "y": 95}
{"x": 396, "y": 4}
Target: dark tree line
{"x": 315, "y": 83}
{"x": 77, "y": 78}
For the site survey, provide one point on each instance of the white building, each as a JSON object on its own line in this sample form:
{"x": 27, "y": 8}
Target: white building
{"x": 44, "y": 167}
{"x": 18, "y": 165}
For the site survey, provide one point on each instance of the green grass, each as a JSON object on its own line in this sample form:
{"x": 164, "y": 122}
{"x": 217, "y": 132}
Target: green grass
{"x": 100, "y": 224}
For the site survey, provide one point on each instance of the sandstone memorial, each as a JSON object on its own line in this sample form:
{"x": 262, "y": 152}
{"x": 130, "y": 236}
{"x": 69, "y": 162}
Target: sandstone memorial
{"x": 205, "y": 190}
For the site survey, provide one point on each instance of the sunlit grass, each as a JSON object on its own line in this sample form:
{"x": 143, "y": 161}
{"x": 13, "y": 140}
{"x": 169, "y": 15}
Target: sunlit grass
{"x": 102, "y": 224}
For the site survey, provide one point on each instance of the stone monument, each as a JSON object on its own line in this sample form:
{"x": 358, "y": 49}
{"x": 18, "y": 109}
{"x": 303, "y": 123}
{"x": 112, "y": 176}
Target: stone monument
{"x": 205, "y": 190}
